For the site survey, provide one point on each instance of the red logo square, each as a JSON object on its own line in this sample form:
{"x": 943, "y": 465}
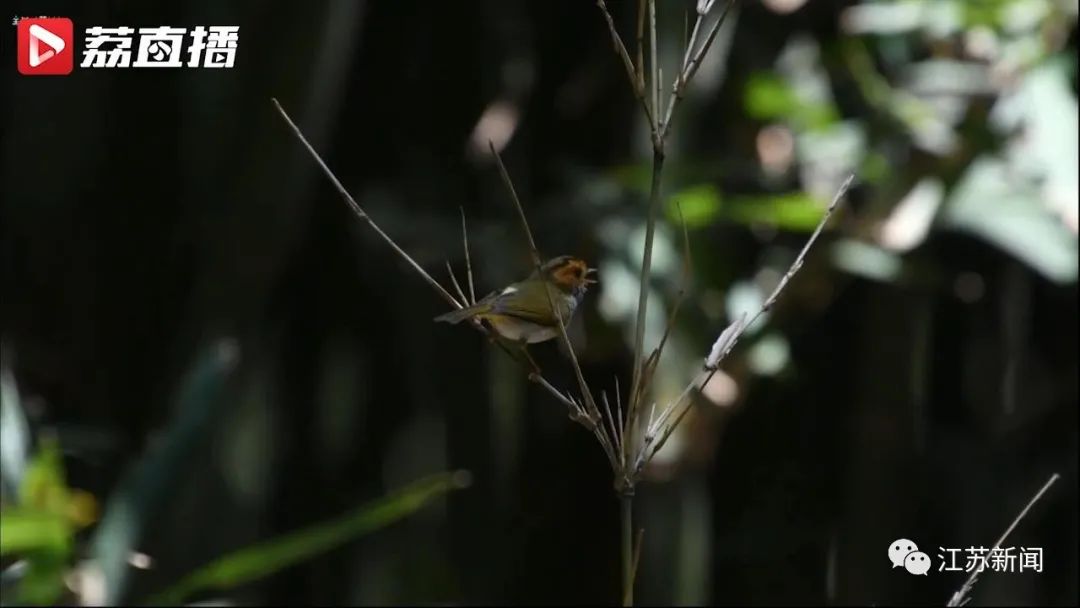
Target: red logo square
{"x": 46, "y": 46}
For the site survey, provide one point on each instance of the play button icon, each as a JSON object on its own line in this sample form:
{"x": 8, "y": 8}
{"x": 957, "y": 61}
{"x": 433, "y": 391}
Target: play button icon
{"x": 45, "y": 46}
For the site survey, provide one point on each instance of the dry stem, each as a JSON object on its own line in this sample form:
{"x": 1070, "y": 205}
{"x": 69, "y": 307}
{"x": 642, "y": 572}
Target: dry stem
{"x": 960, "y": 597}
{"x": 575, "y": 409}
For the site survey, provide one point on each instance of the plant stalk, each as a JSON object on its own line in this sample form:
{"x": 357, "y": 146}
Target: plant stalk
{"x": 627, "y": 503}
{"x": 643, "y": 301}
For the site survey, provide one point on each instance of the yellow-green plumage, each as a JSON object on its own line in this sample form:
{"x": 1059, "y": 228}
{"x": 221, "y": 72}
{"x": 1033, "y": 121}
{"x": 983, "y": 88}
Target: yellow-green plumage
{"x": 522, "y": 311}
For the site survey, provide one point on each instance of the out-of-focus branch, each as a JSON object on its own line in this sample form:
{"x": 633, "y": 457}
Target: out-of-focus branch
{"x": 960, "y": 597}
{"x": 658, "y": 431}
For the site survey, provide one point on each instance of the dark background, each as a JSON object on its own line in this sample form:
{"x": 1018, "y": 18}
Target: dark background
{"x": 923, "y": 391}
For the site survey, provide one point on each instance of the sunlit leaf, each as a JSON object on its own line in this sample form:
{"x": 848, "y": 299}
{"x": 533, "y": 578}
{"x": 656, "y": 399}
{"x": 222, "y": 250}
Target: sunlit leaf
{"x": 768, "y": 97}
{"x": 699, "y": 204}
{"x": 43, "y": 486}
{"x": 796, "y": 211}
{"x": 28, "y": 529}
{"x": 270, "y": 556}
{"x": 1010, "y": 215}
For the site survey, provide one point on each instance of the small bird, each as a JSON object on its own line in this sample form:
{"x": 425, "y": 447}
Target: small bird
{"x": 522, "y": 312}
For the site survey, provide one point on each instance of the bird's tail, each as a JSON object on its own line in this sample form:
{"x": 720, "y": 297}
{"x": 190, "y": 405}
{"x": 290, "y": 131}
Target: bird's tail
{"x": 457, "y": 316}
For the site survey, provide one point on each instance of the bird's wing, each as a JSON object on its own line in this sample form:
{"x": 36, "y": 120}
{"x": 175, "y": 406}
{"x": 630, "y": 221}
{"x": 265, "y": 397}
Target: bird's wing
{"x": 527, "y": 301}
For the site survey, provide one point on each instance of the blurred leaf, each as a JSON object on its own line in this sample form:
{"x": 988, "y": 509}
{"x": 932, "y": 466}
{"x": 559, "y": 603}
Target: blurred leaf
{"x": 43, "y": 486}
{"x": 25, "y": 529}
{"x": 267, "y": 557}
{"x": 43, "y": 582}
{"x": 14, "y": 434}
{"x": 770, "y": 355}
{"x": 42, "y": 527}
{"x": 866, "y": 260}
{"x": 769, "y": 97}
{"x": 987, "y": 202}
{"x": 702, "y": 205}
{"x": 796, "y": 211}
{"x": 148, "y": 483}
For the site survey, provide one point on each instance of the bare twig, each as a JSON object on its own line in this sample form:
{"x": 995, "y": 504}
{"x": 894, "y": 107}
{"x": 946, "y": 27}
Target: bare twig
{"x": 360, "y": 213}
{"x": 576, "y": 412}
{"x": 609, "y": 423}
{"x": 634, "y": 75}
{"x": 658, "y": 432}
{"x": 591, "y": 410}
{"x": 692, "y": 59}
{"x": 959, "y": 598}
{"x": 468, "y": 261}
{"x": 640, "y": 65}
{"x": 454, "y": 281}
{"x": 795, "y": 267}
{"x": 684, "y": 286}
{"x": 655, "y": 76}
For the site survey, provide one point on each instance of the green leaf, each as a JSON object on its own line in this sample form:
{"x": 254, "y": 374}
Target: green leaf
{"x": 703, "y": 205}
{"x": 699, "y": 204}
{"x": 270, "y": 556}
{"x": 768, "y": 97}
{"x": 43, "y": 485}
{"x": 28, "y": 529}
{"x": 43, "y": 582}
{"x": 796, "y": 211}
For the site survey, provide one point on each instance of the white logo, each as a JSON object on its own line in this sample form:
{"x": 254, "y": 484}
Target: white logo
{"x": 917, "y": 562}
{"x": 39, "y": 36}
{"x": 899, "y": 550}
{"x": 904, "y": 553}
{"x": 161, "y": 47}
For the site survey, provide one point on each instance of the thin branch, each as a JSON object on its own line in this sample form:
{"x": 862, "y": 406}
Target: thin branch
{"x": 468, "y": 261}
{"x": 724, "y": 344}
{"x": 590, "y": 404}
{"x": 632, "y": 74}
{"x": 643, "y": 293}
{"x": 575, "y": 410}
{"x": 454, "y": 281}
{"x": 654, "y": 75}
{"x": 640, "y": 65}
{"x": 609, "y": 421}
{"x": 680, "y": 297}
{"x": 360, "y": 213}
{"x": 622, "y": 428}
{"x": 792, "y": 270}
{"x": 692, "y": 59}
{"x": 958, "y": 598}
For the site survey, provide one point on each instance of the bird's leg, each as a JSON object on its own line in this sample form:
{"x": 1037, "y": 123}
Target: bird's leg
{"x": 524, "y": 345}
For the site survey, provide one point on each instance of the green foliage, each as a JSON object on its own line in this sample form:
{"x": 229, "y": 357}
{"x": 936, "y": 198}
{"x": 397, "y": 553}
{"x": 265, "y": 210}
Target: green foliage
{"x": 767, "y": 96}
{"x": 41, "y": 526}
{"x": 270, "y": 556}
{"x": 703, "y": 205}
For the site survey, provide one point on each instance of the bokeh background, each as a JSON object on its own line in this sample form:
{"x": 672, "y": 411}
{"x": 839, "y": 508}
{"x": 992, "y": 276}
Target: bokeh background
{"x": 224, "y": 354}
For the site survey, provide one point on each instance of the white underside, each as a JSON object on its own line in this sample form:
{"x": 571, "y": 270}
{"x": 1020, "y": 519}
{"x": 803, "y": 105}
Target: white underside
{"x": 516, "y": 329}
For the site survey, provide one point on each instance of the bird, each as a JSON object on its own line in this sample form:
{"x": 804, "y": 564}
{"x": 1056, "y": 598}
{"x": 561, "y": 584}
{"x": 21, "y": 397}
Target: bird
{"x": 521, "y": 311}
